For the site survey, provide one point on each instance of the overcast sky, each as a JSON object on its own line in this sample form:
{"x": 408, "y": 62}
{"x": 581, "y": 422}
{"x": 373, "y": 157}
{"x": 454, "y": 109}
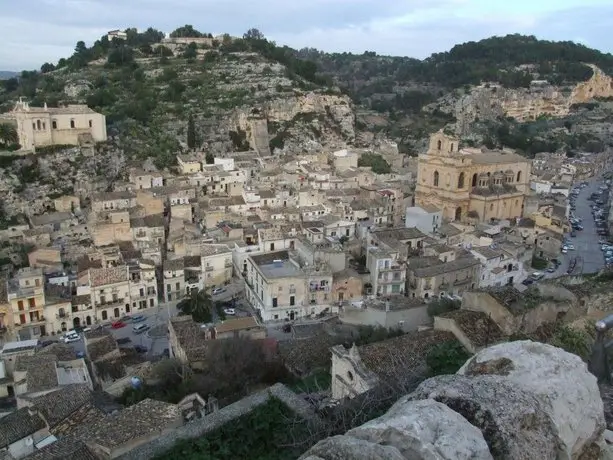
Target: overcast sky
{"x": 36, "y": 31}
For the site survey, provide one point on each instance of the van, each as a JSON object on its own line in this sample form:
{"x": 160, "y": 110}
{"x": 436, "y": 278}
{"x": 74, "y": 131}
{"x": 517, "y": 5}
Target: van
{"x": 140, "y": 328}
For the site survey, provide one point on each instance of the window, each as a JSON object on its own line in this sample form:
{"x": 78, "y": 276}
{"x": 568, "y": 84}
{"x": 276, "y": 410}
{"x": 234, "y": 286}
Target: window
{"x": 435, "y": 178}
{"x": 168, "y": 289}
{"x": 142, "y": 292}
{"x": 492, "y": 207}
{"x": 104, "y": 316}
{"x": 439, "y": 145}
{"x": 292, "y": 300}
{"x": 34, "y": 126}
{"x": 151, "y": 302}
{"x": 36, "y": 282}
{"x": 272, "y": 246}
{"x": 20, "y": 304}
{"x": 72, "y": 123}
{"x": 178, "y": 286}
{"x": 54, "y": 124}
{"x": 274, "y": 302}
{"x": 90, "y": 123}
{"x": 38, "y": 126}
{"x": 519, "y": 176}
{"x": 349, "y": 374}
{"x": 460, "y": 179}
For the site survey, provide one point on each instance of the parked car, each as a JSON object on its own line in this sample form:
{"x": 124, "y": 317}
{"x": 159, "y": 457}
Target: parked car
{"x": 527, "y": 282}
{"x": 70, "y": 337}
{"x": 123, "y": 340}
{"x": 140, "y": 328}
{"x": 140, "y": 349}
{"x": 551, "y": 269}
{"x": 118, "y": 325}
{"x": 229, "y": 311}
{"x": 573, "y": 233}
{"x": 46, "y": 343}
{"x": 125, "y": 318}
{"x": 138, "y": 319}
{"x": 218, "y": 290}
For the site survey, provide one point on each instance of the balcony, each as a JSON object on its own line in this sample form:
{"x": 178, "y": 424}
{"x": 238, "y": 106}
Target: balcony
{"x": 292, "y": 290}
{"x": 391, "y": 268}
{"x": 209, "y": 268}
{"x": 313, "y": 288}
{"x": 111, "y": 303}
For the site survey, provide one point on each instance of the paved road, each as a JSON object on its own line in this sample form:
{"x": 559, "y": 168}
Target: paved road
{"x": 586, "y": 241}
{"x": 156, "y": 339}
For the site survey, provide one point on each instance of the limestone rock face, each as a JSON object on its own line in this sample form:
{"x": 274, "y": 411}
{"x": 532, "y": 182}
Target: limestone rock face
{"x": 346, "y": 447}
{"x": 568, "y": 391}
{"x": 510, "y": 418}
{"x": 425, "y": 430}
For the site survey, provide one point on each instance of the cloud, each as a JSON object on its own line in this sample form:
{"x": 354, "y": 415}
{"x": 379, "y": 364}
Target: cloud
{"x": 45, "y": 30}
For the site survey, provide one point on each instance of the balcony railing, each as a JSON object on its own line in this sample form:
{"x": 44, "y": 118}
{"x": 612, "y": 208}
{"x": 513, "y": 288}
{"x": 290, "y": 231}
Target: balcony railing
{"x": 110, "y": 303}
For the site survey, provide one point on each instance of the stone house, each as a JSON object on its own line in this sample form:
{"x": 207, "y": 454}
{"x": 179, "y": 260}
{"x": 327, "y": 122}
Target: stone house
{"x": 360, "y": 369}
{"x": 149, "y": 203}
{"x": 26, "y": 296}
{"x": 148, "y": 230}
{"x": 281, "y": 288}
{"x": 109, "y": 227}
{"x": 498, "y": 267}
{"x": 69, "y": 125}
{"x": 67, "y": 203}
{"x": 174, "y": 279}
{"x": 45, "y": 258}
{"x": 54, "y": 222}
{"x": 347, "y": 286}
{"x": 187, "y": 341}
{"x": 188, "y": 165}
{"x": 273, "y": 239}
{"x": 110, "y": 291}
{"x": 217, "y": 265}
{"x": 108, "y": 201}
{"x": 246, "y": 327}
{"x": 427, "y": 219}
{"x": 475, "y": 330}
{"x": 143, "y": 285}
{"x": 145, "y": 180}
{"x": 452, "y": 272}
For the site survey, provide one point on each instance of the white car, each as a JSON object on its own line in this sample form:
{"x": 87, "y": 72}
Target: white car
{"x": 229, "y": 311}
{"x": 218, "y": 291}
{"x": 69, "y": 338}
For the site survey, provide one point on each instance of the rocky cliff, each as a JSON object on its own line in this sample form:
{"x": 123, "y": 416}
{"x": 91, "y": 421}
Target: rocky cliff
{"x": 518, "y": 400}
{"x": 490, "y": 101}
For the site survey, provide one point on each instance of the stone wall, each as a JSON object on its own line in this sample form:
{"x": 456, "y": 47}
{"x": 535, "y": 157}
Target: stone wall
{"x": 517, "y": 400}
{"x": 228, "y": 414}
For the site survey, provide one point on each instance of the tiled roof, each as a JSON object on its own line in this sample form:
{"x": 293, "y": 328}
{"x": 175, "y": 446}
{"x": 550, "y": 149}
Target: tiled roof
{"x": 399, "y": 233}
{"x": 62, "y": 449}
{"x": 62, "y": 351}
{"x": 478, "y": 327}
{"x": 109, "y": 196}
{"x": 56, "y": 406}
{"x": 100, "y": 348}
{"x": 431, "y": 266}
{"x": 408, "y": 350}
{"x": 110, "y": 275}
{"x": 17, "y": 425}
{"x": 143, "y": 419}
{"x": 41, "y": 373}
{"x": 236, "y": 324}
{"x": 305, "y": 355}
{"x": 191, "y": 338}
{"x": 174, "y": 264}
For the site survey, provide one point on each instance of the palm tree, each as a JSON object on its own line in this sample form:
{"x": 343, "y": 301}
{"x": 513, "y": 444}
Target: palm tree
{"x": 199, "y": 304}
{"x": 8, "y": 134}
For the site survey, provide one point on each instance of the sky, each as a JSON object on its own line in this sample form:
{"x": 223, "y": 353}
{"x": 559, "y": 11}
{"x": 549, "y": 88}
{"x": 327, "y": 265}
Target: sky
{"x": 38, "y": 31}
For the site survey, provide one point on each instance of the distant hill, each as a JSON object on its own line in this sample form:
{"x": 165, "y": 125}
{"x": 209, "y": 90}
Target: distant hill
{"x": 6, "y": 74}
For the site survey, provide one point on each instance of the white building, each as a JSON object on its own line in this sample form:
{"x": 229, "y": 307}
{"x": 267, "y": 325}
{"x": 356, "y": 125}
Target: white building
{"x": 499, "y": 268}
{"x": 427, "y": 219}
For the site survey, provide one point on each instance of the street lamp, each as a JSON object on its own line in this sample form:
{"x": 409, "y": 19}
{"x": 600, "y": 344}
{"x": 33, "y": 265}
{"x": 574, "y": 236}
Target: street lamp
{"x": 599, "y": 361}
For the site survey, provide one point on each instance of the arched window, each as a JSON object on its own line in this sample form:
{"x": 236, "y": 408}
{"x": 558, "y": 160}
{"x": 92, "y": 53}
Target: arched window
{"x": 439, "y": 144}
{"x": 38, "y": 126}
{"x": 90, "y": 123}
{"x": 461, "y": 180}
{"x": 475, "y": 180}
{"x": 54, "y": 124}
{"x": 436, "y": 178}
{"x": 451, "y": 147}
{"x": 518, "y": 176}
{"x": 72, "y": 123}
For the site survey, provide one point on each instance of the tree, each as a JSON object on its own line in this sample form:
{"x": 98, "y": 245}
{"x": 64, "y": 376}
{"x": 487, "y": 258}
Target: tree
{"x": 253, "y": 34}
{"x": 209, "y": 158}
{"x": 191, "y": 133}
{"x": 191, "y": 51}
{"x": 8, "y": 135}
{"x": 47, "y": 67}
{"x": 186, "y": 31}
{"x": 199, "y": 304}
{"x": 446, "y": 358}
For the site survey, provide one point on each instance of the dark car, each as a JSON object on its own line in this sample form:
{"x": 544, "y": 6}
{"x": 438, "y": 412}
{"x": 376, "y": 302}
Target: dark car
{"x": 140, "y": 349}
{"x": 527, "y": 282}
{"x": 46, "y": 343}
{"x": 123, "y": 340}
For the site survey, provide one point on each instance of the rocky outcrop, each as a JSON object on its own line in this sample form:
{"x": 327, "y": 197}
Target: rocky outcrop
{"x": 517, "y": 400}
{"x": 599, "y": 85}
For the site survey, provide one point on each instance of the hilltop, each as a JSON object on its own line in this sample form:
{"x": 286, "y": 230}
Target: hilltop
{"x": 248, "y": 93}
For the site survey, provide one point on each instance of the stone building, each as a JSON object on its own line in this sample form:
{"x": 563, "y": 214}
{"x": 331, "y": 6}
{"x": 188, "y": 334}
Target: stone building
{"x": 70, "y": 125}
{"x": 471, "y": 183}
